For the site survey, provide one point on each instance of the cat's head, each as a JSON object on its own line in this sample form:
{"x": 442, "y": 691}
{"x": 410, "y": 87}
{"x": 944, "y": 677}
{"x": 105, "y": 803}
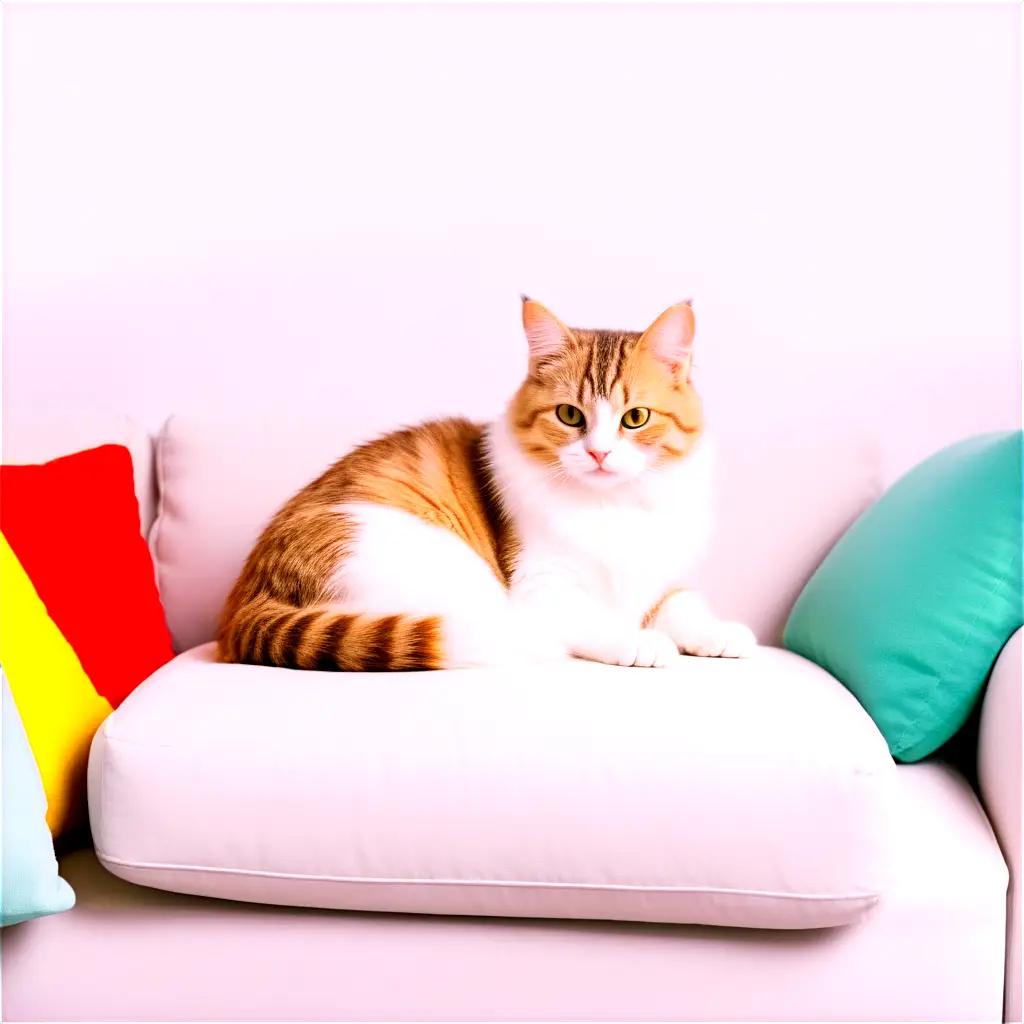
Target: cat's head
{"x": 607, "y": 407}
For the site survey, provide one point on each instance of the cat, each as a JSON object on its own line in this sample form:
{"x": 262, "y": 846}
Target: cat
{"x": 567, "y": 526}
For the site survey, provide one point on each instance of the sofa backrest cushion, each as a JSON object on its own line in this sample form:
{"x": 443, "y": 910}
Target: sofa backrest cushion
{"x": 785, "y": 496}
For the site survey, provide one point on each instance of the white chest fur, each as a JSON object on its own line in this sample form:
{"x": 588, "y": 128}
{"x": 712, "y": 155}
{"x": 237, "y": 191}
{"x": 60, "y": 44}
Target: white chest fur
{"x": 624, "y": 548}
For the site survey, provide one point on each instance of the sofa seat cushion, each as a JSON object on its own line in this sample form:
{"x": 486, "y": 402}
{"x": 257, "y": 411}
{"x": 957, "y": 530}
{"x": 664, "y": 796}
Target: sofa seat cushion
{"x": 747, "y": 793}
{"x": 931, "y": 951}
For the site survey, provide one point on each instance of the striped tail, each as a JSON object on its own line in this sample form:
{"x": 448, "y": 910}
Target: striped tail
{"x": 270, "y": 633}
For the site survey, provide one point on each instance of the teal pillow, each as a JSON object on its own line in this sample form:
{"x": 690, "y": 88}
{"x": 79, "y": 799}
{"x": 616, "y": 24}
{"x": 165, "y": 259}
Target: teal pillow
{"x": 912, "y": 606}
{"x": 29, "y": 883}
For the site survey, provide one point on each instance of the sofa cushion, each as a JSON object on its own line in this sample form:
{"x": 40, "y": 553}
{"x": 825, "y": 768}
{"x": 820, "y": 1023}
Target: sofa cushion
{"x": 29, "y": 883}
{"x": 82, "y": 623}
{"x": 748, "y": 793}
{"x": 932, "y": 950}
{"x": 222, "y": 479}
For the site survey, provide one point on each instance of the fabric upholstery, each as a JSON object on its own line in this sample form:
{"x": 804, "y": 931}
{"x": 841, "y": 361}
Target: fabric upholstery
{"x": 736, "y": 792}
{"x": 221, "y": 480}
{"x": 930, "y": 951}
{"x": 999, "y": 778}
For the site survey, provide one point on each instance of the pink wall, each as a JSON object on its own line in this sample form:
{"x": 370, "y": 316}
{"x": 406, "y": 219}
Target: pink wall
{"x": 289, "y": 207}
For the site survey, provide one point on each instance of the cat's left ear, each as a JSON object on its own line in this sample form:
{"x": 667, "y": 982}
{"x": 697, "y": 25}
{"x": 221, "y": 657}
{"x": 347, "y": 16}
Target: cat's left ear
{"x": 670, "y": 339}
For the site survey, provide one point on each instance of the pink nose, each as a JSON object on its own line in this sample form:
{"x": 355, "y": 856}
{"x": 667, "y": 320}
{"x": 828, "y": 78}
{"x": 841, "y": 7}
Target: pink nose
{"x": 598, "y": 457}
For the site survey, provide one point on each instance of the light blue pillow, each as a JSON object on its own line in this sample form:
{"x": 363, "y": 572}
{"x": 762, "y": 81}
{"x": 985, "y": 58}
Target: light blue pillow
{"x": 29, "y": 883}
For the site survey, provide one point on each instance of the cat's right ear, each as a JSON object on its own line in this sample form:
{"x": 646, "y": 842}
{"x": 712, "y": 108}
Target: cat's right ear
{"x": 545, "y": 333}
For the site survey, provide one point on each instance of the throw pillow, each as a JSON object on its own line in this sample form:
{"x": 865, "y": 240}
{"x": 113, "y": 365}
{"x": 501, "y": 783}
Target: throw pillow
{"x": 912, "y": 606}
{"x": 29, "y": 883}
{"x": 81, "y": 622}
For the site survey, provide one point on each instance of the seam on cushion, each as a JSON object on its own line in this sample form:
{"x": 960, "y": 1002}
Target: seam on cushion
{"x": 852, "y": 772}
{"x": 104, "y": 755}
{"x": 496, "y": 883}
{"x": 152, "y": 500}
{"x": 155, "y": 529}
{"x": 152, "y": 491}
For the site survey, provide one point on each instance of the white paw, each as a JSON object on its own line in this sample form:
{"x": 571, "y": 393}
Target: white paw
{"x": 631, "y": 648}
{"x": 649, "y": 648}
{"x": 719, "y": 640}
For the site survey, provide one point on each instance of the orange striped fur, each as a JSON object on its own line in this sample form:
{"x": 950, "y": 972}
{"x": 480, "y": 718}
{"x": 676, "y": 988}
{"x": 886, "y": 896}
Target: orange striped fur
{"x": 613, "y": 365}
{"x": 276, "y": 613}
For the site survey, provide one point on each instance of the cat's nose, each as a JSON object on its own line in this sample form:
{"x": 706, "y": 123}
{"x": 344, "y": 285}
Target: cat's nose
{"x": 598, "y": 457}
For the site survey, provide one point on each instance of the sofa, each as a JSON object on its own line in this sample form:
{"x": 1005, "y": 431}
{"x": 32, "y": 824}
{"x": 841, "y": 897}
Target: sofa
{"x": 718, "y": 841}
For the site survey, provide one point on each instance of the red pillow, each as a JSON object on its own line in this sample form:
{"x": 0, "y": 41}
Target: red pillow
{"x": 82, "y": 624}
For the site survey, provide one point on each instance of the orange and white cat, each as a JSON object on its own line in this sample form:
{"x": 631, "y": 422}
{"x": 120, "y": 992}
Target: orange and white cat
{"x": 568, "y": 525}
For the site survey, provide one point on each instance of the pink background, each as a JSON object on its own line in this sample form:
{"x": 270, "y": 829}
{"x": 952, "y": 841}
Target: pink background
{"x": 336, "y": 207}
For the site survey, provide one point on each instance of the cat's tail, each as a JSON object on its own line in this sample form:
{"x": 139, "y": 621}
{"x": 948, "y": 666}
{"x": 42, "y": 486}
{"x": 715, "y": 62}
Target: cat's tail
{"x": 271, "y": 633}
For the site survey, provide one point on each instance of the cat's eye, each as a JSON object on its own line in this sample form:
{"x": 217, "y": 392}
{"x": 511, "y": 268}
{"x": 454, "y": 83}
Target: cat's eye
{"x": 637, "y": 417}
{"x": 569, "y": 415}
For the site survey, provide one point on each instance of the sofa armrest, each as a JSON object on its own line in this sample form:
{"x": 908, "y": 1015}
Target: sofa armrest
{"x": 999, "y": 781}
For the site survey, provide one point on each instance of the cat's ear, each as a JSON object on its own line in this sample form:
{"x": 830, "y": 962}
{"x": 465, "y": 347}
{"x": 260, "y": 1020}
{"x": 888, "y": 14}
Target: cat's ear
{"x": 670, "y": 339}
{"x": 545, "y": 333}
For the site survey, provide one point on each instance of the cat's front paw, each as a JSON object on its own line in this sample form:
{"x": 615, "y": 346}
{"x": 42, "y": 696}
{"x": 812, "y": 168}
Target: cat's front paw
{"x": 643, "y": 648}
{"x": 719, "y": 640}
{"x": 654, "y": 649}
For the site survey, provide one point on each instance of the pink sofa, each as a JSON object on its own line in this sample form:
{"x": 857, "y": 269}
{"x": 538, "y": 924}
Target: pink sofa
{"x": 928, "y": 943}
